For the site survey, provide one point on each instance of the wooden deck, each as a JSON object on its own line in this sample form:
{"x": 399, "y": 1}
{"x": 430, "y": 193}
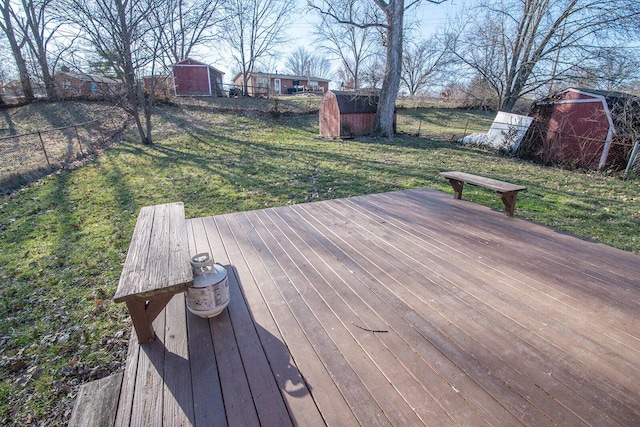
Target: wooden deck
{"x": 407, "y": 308}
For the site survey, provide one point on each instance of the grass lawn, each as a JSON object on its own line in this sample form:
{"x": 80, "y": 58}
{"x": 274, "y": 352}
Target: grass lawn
{"x": 64, "y": 239}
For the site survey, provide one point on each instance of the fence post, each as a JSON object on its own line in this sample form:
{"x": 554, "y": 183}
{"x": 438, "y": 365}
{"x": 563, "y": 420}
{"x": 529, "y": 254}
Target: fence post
{"x": 632, "y": 159}
{"x": 46, "y": 156}
{"x": 79, "y": 143}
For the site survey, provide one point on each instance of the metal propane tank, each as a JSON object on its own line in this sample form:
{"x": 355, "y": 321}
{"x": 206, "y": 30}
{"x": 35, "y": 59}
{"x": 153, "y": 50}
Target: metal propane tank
{"x": 209, "y": 294}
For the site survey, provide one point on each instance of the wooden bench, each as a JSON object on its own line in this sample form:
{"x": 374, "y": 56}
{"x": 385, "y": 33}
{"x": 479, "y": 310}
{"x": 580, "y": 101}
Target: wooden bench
{"x": 506, "y": 191}
{"x": 157, "y": 265}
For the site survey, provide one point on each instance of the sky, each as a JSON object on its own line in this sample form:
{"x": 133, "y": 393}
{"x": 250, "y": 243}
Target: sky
{"x": 300, "y": 31}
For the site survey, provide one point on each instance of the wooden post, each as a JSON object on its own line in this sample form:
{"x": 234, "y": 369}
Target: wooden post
{"x": 632, "y": 159}
{"x": 44, "y": 150}
{"x": 79, "y": 142}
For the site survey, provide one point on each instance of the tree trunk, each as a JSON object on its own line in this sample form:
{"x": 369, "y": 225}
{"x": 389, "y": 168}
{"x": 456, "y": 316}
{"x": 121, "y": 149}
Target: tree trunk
{"x": 146, "y": 140}
{"x": 245, "y": 84}
{"x": 147, "y": 99}
{"x": 47, "y": 78}
{"x": 135, "y": 98}
{"x": 515, "y": 89}
{"x": 394, "y": 12}
{"x": 135, "y": 87}
{"x": 21, "y": 64}
{"x": 37, "y": 41}
{"x": 137, "y": 102}
{"x": 508, "y": 103}
{"x": 25, "y": 80}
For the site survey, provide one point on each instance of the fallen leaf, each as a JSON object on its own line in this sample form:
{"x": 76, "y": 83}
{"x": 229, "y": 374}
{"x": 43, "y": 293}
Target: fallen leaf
{"x": 18, "y": 365}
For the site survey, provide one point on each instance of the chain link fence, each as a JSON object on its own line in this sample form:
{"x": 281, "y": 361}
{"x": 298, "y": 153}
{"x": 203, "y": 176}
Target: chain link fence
{"x": 30, "y": 156}
{"x": 633, "y": 166}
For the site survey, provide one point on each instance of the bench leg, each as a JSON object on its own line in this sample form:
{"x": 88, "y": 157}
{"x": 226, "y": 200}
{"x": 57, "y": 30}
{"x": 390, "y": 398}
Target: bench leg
{"x": 509, "y": 200}
{"x": 142, "y": 325}
{"x": 143, "y": 313}
{"x": 457, "y": 187}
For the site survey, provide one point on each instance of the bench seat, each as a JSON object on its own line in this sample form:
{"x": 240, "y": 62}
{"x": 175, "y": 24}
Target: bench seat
{"x": 507, "y": 192}
{"x": 157, "y": 265}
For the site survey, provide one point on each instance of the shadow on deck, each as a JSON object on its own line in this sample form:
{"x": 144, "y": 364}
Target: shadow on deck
{"x": 405, "y": 308}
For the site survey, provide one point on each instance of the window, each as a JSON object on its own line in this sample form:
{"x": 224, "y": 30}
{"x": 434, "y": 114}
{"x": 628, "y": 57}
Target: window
{"x": 262, "y": 82}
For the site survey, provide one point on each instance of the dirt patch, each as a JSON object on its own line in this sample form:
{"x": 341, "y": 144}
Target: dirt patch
{"x": 288, "y": 104}
{"x": 40, "y": 138}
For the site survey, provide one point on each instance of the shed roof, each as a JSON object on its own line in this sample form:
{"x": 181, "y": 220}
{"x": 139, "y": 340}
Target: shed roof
{"x": 624, "y": 108}
{"x": 610, "y": 96}
{"x": 95, "y": 78}
{"x": 356, "y": 102}
{"x": 191, "y": 62}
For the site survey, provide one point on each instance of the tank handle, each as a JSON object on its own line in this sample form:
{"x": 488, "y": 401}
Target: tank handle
{"x": 201, "y": 260}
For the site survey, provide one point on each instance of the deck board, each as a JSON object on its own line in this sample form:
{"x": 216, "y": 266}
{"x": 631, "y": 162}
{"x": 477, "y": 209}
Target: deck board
{"x": 433, "y": 326}
{"x": 276, "y": 315}
{"x": 208, "y": 403}
{"x": 320, "y": 295}
{"x": 177, "y": 370}
{"x": 403, "y": 308}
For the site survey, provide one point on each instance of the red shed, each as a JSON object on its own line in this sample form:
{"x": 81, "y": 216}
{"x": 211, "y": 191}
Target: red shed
{"x": 349, "y": 114}
{"x": 579, "y": 127}
{"x": 193, "y": 78}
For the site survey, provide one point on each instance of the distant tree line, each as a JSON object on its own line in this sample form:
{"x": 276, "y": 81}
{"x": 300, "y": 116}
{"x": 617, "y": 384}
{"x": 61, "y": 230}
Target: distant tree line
{"x": 495, "y": 53}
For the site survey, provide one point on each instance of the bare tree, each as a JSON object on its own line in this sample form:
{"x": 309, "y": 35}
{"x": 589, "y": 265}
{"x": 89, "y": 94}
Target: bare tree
{"x": 388, "y": 16}
{"x": 16, "y": 42}
{"x": 39, "y": 24}
{"x": 520, "y": 46}
{"x": 479, "y": 93}
{"x": 182, "y": 25}
{"x": 422, "y": 62}
{"x": 344, "y": 76}
{"x": 610, "y": 69}
{"x": 4, "y": 74}
{"x": 372, "y": 75}
{"x": 253, "y": 31}
{"x": 302, "y": 62}
{"x": 120, "y": 32}
{"x": 351, "y": 45}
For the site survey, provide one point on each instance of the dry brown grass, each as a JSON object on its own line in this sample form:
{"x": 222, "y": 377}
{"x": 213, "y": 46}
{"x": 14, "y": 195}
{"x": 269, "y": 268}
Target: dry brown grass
{"x": 43, "y": 137}
{"x": 39, "y": 138}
